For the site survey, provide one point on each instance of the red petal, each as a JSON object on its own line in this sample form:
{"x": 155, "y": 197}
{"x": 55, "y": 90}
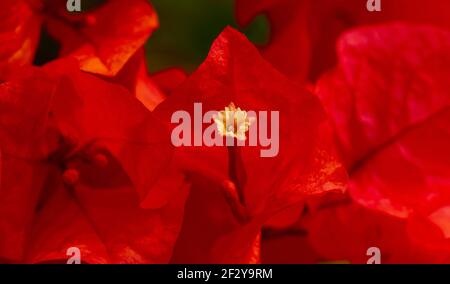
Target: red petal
{"x": 346, "y": 232}
{"x": 105, "y": 39}
{"x": 19, "y": 35}
{"x": 26, "y": 136}
{"x": 288, "y": 248}
{"x": 289, "y": 49}
{"x": 168, "y": 80}
{"x": 135, "y": 77}
{"x": 304, "y": 32}
{"x": 389, "y": 102}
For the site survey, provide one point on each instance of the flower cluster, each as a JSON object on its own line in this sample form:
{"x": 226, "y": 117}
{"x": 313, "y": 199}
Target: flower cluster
{"x": 363, "y": 157}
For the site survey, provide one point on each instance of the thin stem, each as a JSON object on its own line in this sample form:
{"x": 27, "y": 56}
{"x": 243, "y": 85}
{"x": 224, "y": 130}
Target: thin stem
{"x": 236, "y": 171}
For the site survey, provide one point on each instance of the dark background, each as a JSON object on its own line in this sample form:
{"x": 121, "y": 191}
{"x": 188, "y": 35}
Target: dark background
{"x": 188, "y": 28}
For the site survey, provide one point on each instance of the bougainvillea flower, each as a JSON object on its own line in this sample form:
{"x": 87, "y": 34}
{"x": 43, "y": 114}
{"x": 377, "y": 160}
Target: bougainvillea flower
{"x": 75, "y": 153}
{"x": 246, "y": 189}
{"x": 19, "y": 35}
{"x": 304, "y": 32}
{"x": 389, "y": 101}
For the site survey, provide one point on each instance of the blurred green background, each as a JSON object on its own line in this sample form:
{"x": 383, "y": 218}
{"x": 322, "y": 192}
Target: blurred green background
{"x": 188, "y": 28}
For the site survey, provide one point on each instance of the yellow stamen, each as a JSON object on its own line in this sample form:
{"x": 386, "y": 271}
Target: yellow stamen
{"x": 233, "y": 122}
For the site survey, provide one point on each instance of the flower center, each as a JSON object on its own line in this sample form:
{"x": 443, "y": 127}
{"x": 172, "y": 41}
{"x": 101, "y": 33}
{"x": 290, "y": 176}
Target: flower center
{"x": 71, "y": 177}
{"x": 69, "y": 156}
{"x": 233, "y": 122}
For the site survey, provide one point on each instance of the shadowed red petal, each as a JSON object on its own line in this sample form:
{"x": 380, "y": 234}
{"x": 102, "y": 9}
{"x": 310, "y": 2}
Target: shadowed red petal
{"x": 106, "y": 224}
{"x": 26, "y": 136}
{"x": 112, "y": 134}
{"x": 108, "y": 116}
{"x": 168, "y": 80}
{"x": 288, "y": 248}
{"x": 346, "y": 232}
